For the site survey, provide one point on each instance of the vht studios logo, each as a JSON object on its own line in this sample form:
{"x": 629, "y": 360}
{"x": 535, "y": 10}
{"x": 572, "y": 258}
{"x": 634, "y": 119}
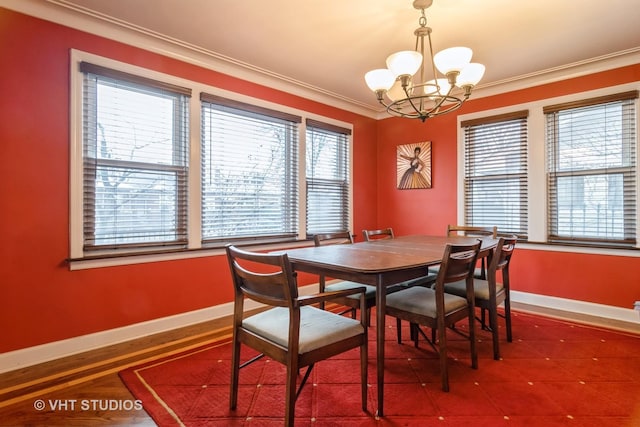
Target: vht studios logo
{"x": 87, "y": 405}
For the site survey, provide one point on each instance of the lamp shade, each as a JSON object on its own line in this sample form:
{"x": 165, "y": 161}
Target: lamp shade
{"x": 452, "y": 59}
{"x": 470, "y": 75}
{"x": 404, "y": 63}
{"x": 380, "y": 79}
{"x": 396, "y": 92}
{"x": 431, "y": 87}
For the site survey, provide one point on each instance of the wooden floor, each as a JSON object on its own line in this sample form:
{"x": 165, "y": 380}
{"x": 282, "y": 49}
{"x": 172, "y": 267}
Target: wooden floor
{"x": 85, "y": 389}
{"x": 79, "y": 405}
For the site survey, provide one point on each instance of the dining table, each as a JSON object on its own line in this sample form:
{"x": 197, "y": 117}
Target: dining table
{"x": 380, "y": 263}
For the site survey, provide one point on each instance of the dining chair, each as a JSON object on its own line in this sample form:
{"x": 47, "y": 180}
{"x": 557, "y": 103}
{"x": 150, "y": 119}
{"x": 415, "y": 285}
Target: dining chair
{"x": 351, "y": 301}
{"x": 438, "y": 310}
{"x": 490, "y": 293}
{"x": 291, "y": 330}
{"x": 474, "y": 231}
{"x": 383, "y": 233}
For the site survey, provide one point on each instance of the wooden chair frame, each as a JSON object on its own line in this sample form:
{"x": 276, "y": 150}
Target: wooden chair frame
{"x": 278, "y": 289}
{"x": 500, "y": 261}
{"x": 383, "y": 233}
{"x": 458, "y": 263}
{"x": 473, "y": 231}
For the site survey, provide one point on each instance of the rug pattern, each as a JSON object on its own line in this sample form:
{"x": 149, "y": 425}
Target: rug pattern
{"x": 554, "y": 373}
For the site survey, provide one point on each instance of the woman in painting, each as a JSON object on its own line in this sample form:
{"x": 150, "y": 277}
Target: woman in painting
{"x": 413, "y": 177}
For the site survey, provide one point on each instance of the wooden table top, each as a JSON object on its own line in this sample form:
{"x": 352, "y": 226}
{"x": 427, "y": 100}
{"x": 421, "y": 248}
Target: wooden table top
{"x": 378, "y": 256}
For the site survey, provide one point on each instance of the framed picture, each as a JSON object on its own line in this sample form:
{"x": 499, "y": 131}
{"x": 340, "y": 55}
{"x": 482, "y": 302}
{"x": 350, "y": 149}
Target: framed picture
{"x": 414, "y": 165}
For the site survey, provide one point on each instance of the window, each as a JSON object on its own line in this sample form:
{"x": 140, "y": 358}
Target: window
{"x": 249, "y": 171}
{"x": 135, "y": 162}
{"x": 327, "y": 164}
{"x": 591, "y": 164}
{"x": 165, "y": 167}
{"x": 495, "y": 172}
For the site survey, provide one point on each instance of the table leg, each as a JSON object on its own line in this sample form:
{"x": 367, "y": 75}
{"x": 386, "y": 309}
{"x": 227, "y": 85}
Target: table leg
{"x": 381, "y": 302}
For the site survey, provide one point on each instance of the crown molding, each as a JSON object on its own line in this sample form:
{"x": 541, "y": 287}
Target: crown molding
{"x": 64, "y": 13}
{"x": 564, "y": 72}
{"x": 70, "y": 15}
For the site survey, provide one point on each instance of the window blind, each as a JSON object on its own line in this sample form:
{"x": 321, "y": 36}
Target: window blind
{"x": 249, "y": 172}
{"x": 591, "y": 155}
{"x": 495, "y": 174}
{"x": 135, "y": 161}
{"x": 327, "y": 178}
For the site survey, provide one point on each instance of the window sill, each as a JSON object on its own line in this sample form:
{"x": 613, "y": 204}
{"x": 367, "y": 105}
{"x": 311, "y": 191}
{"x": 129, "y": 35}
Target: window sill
{"x": 119, "y": 259}
{"x": 113, "y": 260}
{"x": 555, "y": 247}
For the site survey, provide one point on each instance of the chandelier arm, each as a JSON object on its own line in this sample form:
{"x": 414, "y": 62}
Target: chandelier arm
{"x": 455, "y": 104}
{"x": 450, "y": 97}
{"x": 411, "y": 98}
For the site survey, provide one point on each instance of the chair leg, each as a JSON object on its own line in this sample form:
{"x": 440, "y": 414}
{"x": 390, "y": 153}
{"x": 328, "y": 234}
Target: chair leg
{"x": 399, "y": 330}
{"x": 363, "y": 374}
{"x": 304, "y": 379}
{"x": 415, "y": 333}
{"x": 442, "y": 352}
{"x": 235, "y": 372}
{"x": 507, "y": 316}
{"x": 483, "y": 318}
{"x": 290, "y": 404}
{"x": 493, "y": 324}
{"x": 472, "y": 340}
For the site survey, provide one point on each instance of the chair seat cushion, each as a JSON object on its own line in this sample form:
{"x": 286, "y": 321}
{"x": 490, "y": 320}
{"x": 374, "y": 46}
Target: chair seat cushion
{"x": 342, "y": 285}
{"x": 422, "y": 301}
{"x": 480, "y": 288}
{"x": 318, "y": 328}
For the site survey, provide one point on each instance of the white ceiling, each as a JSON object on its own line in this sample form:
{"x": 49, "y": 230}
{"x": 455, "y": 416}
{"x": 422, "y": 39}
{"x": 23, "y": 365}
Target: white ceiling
{"x": 329, "y": 44}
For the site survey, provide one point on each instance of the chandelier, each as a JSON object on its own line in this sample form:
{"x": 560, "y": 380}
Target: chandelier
{"x": 402, "y": 87}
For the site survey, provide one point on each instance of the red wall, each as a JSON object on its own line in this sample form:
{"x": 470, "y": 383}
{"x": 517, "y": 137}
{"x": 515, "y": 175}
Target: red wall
{"x": 604, "y": 279}
{"x": 40, "y": 299}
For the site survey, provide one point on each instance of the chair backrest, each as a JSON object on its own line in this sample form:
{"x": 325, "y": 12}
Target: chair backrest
{"x": 502, "y": 254}
{"x": 383, "y": 233}
{"x": 340, "y": 237}
{"x": 472, "y": 231}
{"x": 458, "y": 263}
{"x": 266, "y": 278}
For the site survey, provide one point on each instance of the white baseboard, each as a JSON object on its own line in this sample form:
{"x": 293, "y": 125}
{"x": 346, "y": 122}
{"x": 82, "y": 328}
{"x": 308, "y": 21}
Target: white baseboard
{"x": 46, "y": 352}
{"x": 580, "y": 307}
{"x": 17, "y": 359}
{"x": 55, "y": 350}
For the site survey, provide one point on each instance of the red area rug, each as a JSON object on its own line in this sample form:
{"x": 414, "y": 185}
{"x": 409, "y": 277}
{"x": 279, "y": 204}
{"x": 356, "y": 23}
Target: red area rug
{"x": 554, "y": 373}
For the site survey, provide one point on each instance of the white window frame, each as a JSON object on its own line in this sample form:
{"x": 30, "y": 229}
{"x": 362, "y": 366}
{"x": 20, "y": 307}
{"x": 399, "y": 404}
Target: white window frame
{"x": 492, "y": 172}
{"x": 537, "y": 177}
{"x": 342, "y": 136}
{"x": 78, "y": 259}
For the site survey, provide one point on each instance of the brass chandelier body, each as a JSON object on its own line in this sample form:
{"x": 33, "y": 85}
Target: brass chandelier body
{"x": 402, "y": 88}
